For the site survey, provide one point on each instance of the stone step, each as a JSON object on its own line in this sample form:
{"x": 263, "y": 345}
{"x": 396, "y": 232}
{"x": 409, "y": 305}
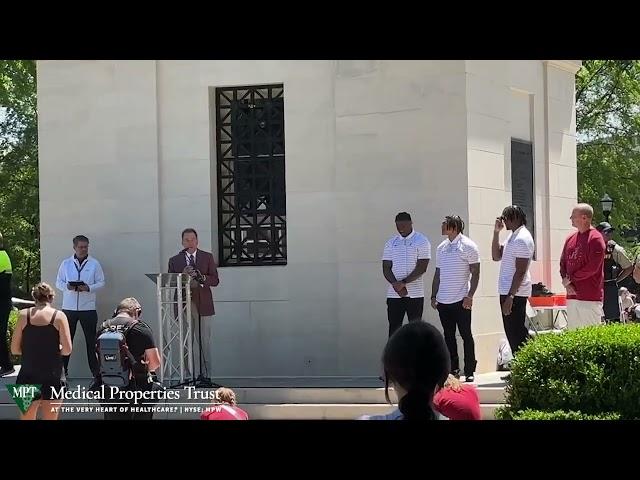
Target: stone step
{"x": 338, "y": 395}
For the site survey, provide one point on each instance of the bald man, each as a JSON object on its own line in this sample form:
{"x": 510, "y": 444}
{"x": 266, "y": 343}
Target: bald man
{"x": 581, "y": 269}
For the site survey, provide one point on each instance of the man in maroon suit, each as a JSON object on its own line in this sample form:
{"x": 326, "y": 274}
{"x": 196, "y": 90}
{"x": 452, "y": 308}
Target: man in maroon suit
{"x": 191, "y": 260}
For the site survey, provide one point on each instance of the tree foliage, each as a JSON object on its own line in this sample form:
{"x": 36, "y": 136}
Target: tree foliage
{"x": 19, "y": 208}
{"x": 608, "y": 130}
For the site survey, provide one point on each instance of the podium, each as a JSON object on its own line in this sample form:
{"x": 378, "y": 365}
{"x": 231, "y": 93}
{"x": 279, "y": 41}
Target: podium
{"x": 174, "y": 320}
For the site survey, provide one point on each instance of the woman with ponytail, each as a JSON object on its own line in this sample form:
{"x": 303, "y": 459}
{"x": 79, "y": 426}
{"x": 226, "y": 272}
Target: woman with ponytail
{"x": 42, "y": 338}
{"x": 416, "y": 362}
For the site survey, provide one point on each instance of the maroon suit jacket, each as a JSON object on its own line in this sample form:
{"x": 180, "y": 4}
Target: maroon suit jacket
{"x": 201, "y": 296}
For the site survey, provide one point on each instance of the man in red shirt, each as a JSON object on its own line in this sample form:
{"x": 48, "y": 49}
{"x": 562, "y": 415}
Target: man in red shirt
{"x": 458, "y": 401}
{"x": 224, "y": 407}
{"x": 581, "y": 269}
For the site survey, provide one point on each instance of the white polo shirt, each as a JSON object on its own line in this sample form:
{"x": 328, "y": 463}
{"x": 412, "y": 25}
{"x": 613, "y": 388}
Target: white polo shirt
{"x": 453, "y": 260}
{"x": 404, "y": 253}
{"x": 519, "y": 244}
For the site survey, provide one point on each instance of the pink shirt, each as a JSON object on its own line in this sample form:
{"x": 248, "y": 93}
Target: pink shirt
{"x": 222, "y": 411}
{"x": 462, "y": 405}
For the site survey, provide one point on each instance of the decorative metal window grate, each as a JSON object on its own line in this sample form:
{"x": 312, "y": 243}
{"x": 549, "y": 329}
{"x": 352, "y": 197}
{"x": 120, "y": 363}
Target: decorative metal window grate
{"x": 252, "y": 227}
{"x": 522, "y": 182}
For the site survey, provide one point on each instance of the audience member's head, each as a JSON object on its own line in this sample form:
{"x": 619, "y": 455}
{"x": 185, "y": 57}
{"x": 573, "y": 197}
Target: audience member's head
{"x": 42, "y": 293}
{"x": 416, "y": 361}
{"x": 226, "y": 395}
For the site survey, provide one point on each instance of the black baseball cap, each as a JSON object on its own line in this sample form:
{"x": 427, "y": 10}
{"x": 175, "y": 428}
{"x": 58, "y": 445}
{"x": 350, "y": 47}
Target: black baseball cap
{"x": 605, "y": 227}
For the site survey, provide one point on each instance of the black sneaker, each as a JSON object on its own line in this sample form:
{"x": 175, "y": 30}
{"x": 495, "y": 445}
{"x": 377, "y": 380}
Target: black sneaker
{"x": 4, "y": 371}
{"x": 540, "y": 290}
{"x": 469, "y": 378}
{"x": 456, "y": 373}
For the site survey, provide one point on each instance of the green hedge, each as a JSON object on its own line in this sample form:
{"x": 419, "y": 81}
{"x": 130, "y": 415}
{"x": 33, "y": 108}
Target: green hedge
{"x": 13, "y": 319}
{"x": 556, "y": 415}
{"x": 589, "y": 371}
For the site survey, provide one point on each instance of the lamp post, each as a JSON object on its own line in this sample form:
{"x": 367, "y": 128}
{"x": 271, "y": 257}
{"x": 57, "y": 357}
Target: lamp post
{"x": 606, "y": 202}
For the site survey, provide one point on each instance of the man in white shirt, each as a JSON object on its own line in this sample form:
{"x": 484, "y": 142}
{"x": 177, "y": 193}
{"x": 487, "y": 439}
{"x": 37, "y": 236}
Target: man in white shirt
{"x": 79, "y": 278}
{"x": 514, "y": 280}
{"x": 454, "y": 284}
{"x": 404, "y": 261}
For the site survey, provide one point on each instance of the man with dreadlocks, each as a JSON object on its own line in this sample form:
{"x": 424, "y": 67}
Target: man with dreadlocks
{"x": 514, "y": 280}
{"x": 454, "y": 283}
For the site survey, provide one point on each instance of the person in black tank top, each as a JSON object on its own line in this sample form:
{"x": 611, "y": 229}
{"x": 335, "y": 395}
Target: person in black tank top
{"x": 42, "y": 346}
{"x": 41, "y": 359}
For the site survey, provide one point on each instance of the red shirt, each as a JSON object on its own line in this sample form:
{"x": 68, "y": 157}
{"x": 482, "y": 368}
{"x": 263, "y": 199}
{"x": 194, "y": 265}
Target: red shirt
{"x": 223, "y": 411}
{"x": 462, "y": 405}
{"x": 582, "y": 261}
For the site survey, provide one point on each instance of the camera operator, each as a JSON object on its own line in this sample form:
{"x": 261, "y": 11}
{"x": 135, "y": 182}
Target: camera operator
{"x": 141, "y": 346}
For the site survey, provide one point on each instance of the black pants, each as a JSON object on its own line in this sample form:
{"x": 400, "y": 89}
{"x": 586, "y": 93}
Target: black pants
{"x": 513, "y": 323}
{"x": 89, "y": 322}
{"x": 611, "y": 307}
{"x": 5, "y": 359}
{"x": 397, "y": 307}
{"x": 453, "y": 315}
